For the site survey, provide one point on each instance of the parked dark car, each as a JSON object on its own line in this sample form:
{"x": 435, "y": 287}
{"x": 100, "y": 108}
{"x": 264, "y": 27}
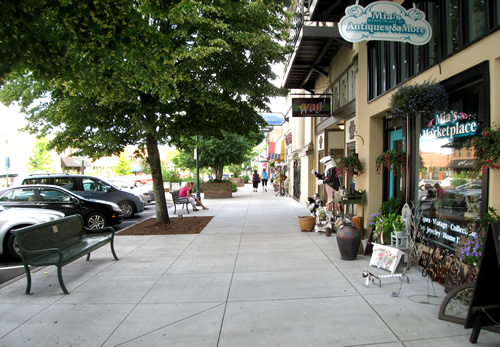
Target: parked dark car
{"x": 16, "y": 218}
{"x": 96, "y": 213}
{"x": 91, "y": 188}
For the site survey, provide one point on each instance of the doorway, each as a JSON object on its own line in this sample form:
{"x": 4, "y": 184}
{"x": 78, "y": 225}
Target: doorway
{"x": 395, "y": 178}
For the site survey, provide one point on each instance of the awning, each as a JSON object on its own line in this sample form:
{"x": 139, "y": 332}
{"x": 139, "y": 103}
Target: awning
{"x": 461, "y": 164}
{"x": 67, "y": 162}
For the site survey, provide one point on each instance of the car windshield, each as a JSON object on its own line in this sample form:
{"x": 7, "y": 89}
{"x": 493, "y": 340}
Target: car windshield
{"x": 94, "y": 185}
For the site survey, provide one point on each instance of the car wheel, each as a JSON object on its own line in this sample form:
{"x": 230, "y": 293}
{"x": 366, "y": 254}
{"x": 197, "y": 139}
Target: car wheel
{"x": 96, "y": 221}
{"x": 128, "y": 209}
{"x": 12, "y": 246}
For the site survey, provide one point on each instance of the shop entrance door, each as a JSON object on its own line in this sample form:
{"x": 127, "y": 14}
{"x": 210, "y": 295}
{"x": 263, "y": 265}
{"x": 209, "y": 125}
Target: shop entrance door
{"x": 395, "y": 178}
{"x": 296, "y": 179}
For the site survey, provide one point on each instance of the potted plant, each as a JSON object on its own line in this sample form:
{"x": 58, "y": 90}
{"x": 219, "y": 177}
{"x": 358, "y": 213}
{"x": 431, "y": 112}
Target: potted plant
{"x": 472, "y": 250}
{"x": 376, "y": 221}
{"x": 393, "y": 160}
{"x": 487, "y": 149}
{"x": 392, "y": 223}
{"x": 427, "y": 98}
{"x": 349, "y": 166}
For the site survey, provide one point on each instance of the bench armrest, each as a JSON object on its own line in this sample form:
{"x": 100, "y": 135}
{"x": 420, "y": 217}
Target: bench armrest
{"x": 43, "y": 251}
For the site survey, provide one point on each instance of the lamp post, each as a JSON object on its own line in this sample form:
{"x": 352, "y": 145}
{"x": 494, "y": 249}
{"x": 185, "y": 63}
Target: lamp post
{"x": 197, "y": 169}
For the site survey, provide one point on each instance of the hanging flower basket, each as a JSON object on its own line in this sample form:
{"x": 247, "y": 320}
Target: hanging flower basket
{"x": 487, "y": 149}
{"x": 349, "y": 166}
{"x": 393, "y": 160}
{"x": 427, "y": 98}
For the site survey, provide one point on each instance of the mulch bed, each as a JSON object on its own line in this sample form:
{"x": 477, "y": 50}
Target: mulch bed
{"x": 184, "y": 225}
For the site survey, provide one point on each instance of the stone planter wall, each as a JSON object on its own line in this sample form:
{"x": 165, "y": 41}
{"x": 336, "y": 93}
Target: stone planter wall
{"x": 239, "y": 181}
{"x": 219, "y": 190}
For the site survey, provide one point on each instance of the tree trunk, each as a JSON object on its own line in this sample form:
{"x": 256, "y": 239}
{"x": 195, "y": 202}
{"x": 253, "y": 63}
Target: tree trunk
{"x": 155, "y": 164}
{"x": 218, "y": 172}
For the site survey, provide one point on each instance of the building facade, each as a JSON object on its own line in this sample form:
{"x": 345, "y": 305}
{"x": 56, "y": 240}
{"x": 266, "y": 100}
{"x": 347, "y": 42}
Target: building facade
{"x": 359, "y": 79}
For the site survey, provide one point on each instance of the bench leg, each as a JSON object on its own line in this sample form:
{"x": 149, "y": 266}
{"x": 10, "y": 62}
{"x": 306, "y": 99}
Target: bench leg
{"x": 28, "y": 279}
{"x": 187, "y": 207}
{"x": 175, "y": 208}
{"x": 61, "y": 282}
{"x": 113, "y": 250}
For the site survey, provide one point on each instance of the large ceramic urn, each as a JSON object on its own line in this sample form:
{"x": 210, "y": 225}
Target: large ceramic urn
{"x": 348, "y": 240}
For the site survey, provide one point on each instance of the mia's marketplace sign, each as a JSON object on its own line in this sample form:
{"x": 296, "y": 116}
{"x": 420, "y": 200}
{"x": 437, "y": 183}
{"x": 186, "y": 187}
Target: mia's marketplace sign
{"x": 385, "y": 21}
{"x": 451, "y": 124}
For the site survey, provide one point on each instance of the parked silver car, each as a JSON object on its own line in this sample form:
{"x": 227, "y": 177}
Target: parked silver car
{"x": 126, "y": 186}
{"x": 16, "y": 218}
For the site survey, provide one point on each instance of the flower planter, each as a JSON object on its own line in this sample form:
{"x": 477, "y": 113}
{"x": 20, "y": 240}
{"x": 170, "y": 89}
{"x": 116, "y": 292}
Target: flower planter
{"x": 239, "y": 181}
{"x": 217, "y": 190}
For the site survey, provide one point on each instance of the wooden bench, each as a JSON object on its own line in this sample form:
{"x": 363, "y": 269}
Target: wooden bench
{"x": 58, "y": 243}
{"x": 179, "y": 201}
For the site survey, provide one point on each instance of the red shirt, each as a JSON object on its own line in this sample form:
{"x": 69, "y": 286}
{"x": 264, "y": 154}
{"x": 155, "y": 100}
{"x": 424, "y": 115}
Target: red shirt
{"x": 184, "y": 192}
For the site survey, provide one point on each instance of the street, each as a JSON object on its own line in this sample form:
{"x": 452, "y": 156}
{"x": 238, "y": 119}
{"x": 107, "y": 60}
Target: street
{"x": 10, "y": 268}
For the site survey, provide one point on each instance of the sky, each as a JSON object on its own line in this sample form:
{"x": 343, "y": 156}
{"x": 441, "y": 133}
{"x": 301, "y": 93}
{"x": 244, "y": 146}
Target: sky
{"x": 16, "y": 145}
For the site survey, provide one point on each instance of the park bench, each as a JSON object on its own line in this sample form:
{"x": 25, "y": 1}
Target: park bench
{"x": 179, "y": 201}
{"x": 58, "y": 243}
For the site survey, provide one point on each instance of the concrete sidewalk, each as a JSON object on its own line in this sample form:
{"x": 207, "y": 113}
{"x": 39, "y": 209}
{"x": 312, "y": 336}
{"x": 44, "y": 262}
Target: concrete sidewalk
{"x": 251, "y": 278}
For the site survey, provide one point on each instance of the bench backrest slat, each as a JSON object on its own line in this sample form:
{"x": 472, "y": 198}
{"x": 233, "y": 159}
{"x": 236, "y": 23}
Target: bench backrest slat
{"x": 53, "y": 234}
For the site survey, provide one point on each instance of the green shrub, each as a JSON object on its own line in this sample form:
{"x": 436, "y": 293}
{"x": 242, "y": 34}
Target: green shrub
{"x": 170, "y": 176}
{"x": 390, "y": 206}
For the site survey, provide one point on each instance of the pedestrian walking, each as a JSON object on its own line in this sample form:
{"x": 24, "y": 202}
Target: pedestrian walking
{"x": 255, "y": 180}
{"x": 264, "y": 180}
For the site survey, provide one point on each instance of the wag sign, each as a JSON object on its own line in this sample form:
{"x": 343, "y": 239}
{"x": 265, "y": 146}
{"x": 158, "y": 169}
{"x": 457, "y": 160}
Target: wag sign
{"x": 310, "y": 107}
{"x": 385, "y": 21}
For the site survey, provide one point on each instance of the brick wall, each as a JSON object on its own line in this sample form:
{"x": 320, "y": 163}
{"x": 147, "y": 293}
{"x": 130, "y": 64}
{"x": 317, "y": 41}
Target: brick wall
{"x": 239, "y": 181}
{"x": 220, "y": 190}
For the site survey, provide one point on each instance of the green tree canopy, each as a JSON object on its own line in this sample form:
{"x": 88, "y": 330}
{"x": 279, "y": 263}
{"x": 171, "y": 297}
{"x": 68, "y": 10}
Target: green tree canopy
{"x": 122, "y": 167}
{"x": 41, "y": 159}
{"x": 101, "y": 75}
{"x": 218, "y": 152}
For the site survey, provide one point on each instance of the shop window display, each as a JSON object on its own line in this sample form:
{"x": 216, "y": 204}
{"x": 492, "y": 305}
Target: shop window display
{"x": 450, "y": 189}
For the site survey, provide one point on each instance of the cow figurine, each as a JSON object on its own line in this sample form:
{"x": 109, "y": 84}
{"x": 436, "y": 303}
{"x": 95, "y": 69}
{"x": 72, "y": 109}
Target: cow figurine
{"x": 331, "y": 180}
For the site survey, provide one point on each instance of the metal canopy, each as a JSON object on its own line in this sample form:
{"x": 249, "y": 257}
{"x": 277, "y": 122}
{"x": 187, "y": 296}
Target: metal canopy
{"x": 316, "y": 42}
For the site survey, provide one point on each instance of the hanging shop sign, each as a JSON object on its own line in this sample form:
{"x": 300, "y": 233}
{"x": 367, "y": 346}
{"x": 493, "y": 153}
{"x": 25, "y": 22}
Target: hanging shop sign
{"x": 385, "y": 21}
{"x": 451, "y": 124}
{"x": 271, "y": 151}
{"x": 273, "y": 118}
{"x": 311, "y": 107}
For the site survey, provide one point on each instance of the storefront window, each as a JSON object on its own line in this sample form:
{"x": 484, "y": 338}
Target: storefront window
{"x": 452, "y": 26}
{"x": 478, "y": 22}
{"x": 449, "y": 189}
{"x": 335, "y": 96}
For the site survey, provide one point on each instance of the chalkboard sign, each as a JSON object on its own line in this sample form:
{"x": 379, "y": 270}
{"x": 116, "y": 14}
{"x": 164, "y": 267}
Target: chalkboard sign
{"x": 485, "y": 303}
